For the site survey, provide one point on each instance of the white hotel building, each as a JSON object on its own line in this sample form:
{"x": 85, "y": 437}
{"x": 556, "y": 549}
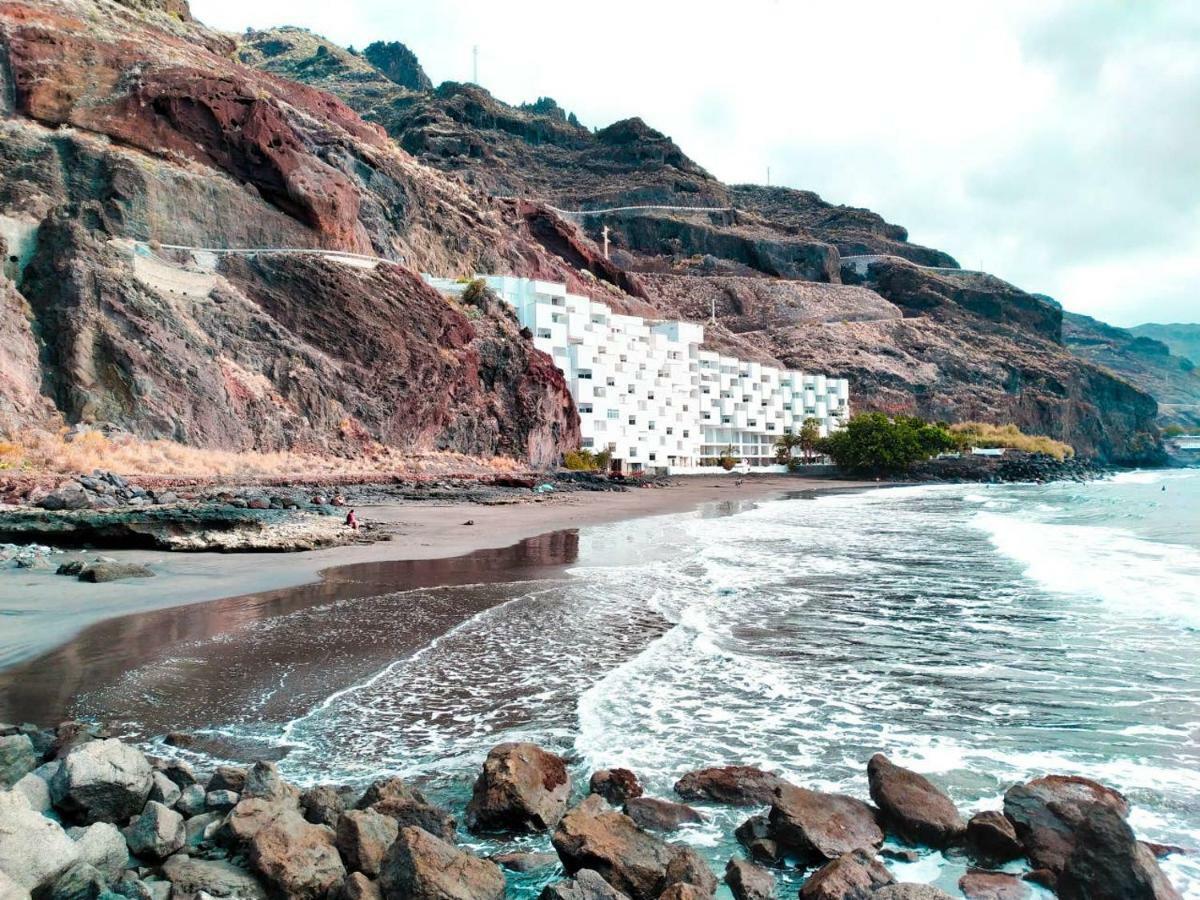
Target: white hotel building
{"x": 648, "y": 393}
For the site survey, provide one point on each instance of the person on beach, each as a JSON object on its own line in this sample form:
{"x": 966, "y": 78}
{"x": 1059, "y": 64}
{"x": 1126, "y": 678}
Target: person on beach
{"x": 352, "y": 520}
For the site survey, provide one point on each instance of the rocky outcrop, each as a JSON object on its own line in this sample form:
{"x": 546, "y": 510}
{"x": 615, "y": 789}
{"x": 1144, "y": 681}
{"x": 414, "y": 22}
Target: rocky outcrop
{"x": 736, "y": 785}
{"x": 916, "y": 808}
{"x": 817, "y": 826}
{"x": 853, "y": 876}
{"x": 419, "y": 866}
{"x": 585, "y": 885}
{"x": 296, "y": 858}
{"x": 399, "y": 64}
{"x": 522, "y": 788}
{"x": 1048, "y": 812}
{"x": 991, "y": 837}
{"x": 615, "y": 785}
{"x": 1107, "y": 862}
{"x": 661, "y": 815}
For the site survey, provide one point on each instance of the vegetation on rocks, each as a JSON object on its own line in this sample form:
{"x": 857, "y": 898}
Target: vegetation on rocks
{"x": 983, "y": 434}
{"x": 877, "y": 444}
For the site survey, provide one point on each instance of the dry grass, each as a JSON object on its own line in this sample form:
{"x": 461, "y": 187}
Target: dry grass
{"x": 37, "y": 452}
{"x": 984, "y": 434}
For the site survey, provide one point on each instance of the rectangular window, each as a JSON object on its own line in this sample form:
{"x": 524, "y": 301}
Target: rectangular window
{"x": 614, "y": 414}
{"x": 585, "y": 407}
{"x": 543, "y": 332}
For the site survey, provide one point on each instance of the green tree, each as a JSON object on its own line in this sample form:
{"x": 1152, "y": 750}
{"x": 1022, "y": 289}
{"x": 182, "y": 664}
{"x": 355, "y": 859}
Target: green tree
{"x": 809, "y": 438}
{"x": 784, "y": 446}
{"x": 875, "y": 444}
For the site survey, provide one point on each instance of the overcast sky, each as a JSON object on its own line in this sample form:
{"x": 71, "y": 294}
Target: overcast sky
{"x": 1055, "y": 143}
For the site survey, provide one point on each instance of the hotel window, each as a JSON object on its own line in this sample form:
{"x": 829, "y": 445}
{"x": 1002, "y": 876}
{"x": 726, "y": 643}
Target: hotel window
{"x": 614, "y": 414}
{"x": 686, "y": 433}
{"x": 585, "y": 407}
{"x": 611, "y": 382}
{"x": 633, "y": 420}
{"x": 585, "y": 374}
{"x": 543, "y": 332}
{"x": 587, "y": 442}
{"x": 670, "y": 430}
{"x": 653, "y": 457}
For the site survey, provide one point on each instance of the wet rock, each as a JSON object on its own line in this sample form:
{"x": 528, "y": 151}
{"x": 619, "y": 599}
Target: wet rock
{"x": 164, "y": 790}
{"x": 910, "y": 892}
{"x": 391, "y": 788}
{"x": 980, "y": 885}
{"x": 525, "y": 862}
{"x": 736, "y": 785}
{"x": 228, "y": 778}
{"x": 202, "y": 829}
{"x": 191, "y": 800}
{"x": 592, "y": 835}
{"x": 853, "y": 876}
{"x": 34, "y": 850}
{"x": 749, "y": 882}
{"x": 221, "y": 801}
{"x": 688, "y": 867}
{"x": 437, "y": 821}
{"x": 359, "y": 887}
{"x": 80, "y": 882}
{"x": 615, "y": 785}
{"x": 901, "y": 854}
{"x": 219, "y": 878}
{"x": 100, "y": 572}
{"x": 322, "y": 805}
{"x": 17, "y": 758}
{"x": 992, "y": 837}
{"x": 180, "y": 772}
{"x": 522, "y": 788}
{"x": 71, "y": 567}
{"x": 296, "y": 858}
{"x": 817, "y": 826}
{"x": 101, "y": 781}
{"x": 102, "y": 845}
{"x": 156, "y": 833}
{"x": 756, "y": 836}
{"x": 419, "y": 866}
{"x": 263, "y": 782}
{"x": 363, "y": 837}
{"x": 916, "y": 808}
{"x": 586, "y": 885}
{"x": 1046, "y": 813}
{"x": 1108, "y": 863}
{"x": 661, "y": 815}
{"x": 683, "y": 891}
{"x": 1162, "y": 851}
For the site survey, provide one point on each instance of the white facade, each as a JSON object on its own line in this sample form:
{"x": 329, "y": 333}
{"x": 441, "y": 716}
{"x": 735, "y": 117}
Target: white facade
{"x": 647, "y": 392}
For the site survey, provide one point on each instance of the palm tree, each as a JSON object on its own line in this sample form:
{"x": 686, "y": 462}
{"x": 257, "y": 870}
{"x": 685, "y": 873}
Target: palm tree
{"x": 810, "y": 437}
{"x": 784, "y": 446}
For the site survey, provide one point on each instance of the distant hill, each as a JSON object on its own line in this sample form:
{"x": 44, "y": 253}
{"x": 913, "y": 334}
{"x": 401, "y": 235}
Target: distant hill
{"x": 1146, "y": 361}
{"x": 1182, "y": 338}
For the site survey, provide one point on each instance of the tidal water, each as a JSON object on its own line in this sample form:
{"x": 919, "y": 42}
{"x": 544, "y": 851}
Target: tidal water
{"x": 979, "y": 634}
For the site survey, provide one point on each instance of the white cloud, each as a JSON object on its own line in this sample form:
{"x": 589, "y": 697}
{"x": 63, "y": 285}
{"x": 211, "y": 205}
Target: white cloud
{"x": 1052, "y": 141}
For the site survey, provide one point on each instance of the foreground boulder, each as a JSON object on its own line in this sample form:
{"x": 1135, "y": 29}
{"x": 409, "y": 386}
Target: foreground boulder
{"x": 359, "y": 887}
{"x": 102, "y": 781}
{"x": 594, "y": 836}
{"x": 910, "y": 892}
{"x": 418, "y": 814}
{"x": 586, "y": 885}
{"x": 419, "y": 866}
{"x": 363, "y": 838}
{"x": 34, "y": 851}
{"x": 1047, "y": 813}
{"x": 855, "y": 875}
{"x": 100, "y": 572}
{"x": 913, "y": 805}
{"x": 156, "y": 833}
{"x": 977, "y": 884}
{"x": 102, "y": 845}
{"x": 992, "y": 838}
{"x": 661, "y": 815}
{"x": 263, "y": 782}
{"x": 1109, "y": 863}
{"x": 749, "y": 882}
{"x": 218, "y": 878}
{"x": 296, "y": 858}
{"x": 522, "y": 788}
{"x": 735, "y": 785}
{"x": 250, "y": 817}
{"x": 816, "y": 826}
{"x": 323, "y": 804}
{"x": 615, "y": 785}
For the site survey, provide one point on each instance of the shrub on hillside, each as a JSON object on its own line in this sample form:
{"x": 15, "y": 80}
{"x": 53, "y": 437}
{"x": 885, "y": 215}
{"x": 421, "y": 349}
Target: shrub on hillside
{"x": 984, "y": 434}
{"x": 875, "y": 444}
{"x": 584, "y": 460}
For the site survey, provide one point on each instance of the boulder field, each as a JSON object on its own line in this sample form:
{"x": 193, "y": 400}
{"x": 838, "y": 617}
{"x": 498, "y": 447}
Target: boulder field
{"x": 83, "y": 815}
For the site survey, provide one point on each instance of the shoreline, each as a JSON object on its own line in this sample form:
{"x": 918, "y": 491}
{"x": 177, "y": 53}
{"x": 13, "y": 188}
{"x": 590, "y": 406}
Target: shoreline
{"x": 62, "y": 626}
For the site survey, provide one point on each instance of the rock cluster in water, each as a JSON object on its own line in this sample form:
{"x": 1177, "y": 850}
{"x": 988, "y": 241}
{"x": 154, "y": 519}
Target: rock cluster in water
{"x": 86, "y": 816}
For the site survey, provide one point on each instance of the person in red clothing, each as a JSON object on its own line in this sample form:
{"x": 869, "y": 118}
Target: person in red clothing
{"x": 352, "y": 520}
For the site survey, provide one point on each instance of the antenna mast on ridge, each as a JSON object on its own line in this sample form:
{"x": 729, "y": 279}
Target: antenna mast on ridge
{"x": 475, "y": 64}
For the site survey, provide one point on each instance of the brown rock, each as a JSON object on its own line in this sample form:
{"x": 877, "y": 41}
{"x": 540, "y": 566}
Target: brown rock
{"x": 437, "y": 821}
{"x": 322, "y": 804}
{"x": 615, "y": 785}
{"x": 910, "y": 892}
{"x": 419, "y": 866}
{"x": 980, "y": 885}
{"x": 1108, "y": 863}
{"x": 363, "y": 838}
{"x": 736, "y": 785}
{"x": 917, "y": 809}
{"x": 586, "y": 885}
{"x": 682, "y": 891}
{"x": 250, "y": 817}
{"x": 1047, "y": 811}
{"x": 392, "y": 788}
{"x": 660, "y": 815}
{"x": 687, "y": 866}
{"x": 359, "y": 887}
{"x": 227, "y": 778}
{"x": 756, "y": 836}
{"x": 749, "y": 882}
{"x": 522, "y": 788}
{"x": 854, "y": 876}
{"x": 592, "y": 835}
{"x": 991, "y": 836}
{"x": 525, "y": 862}
{"x": 296, "y": 858}
{"x": 819, "y": 826}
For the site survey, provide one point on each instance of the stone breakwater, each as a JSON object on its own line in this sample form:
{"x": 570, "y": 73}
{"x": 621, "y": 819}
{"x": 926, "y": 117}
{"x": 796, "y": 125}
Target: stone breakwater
{"x": 84, "y": 815}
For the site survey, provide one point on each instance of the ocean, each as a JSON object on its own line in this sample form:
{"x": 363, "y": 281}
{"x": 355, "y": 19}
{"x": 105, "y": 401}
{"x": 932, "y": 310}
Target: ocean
{"x": 980, "y": 634}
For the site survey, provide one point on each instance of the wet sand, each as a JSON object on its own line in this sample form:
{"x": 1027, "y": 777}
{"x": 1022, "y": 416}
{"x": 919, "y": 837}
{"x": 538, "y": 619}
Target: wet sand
{"x": 69, "y": 636}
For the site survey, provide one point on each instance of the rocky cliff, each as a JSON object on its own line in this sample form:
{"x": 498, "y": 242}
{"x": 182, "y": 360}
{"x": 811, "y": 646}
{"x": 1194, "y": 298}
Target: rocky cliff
{"x": 132, "y": 122}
